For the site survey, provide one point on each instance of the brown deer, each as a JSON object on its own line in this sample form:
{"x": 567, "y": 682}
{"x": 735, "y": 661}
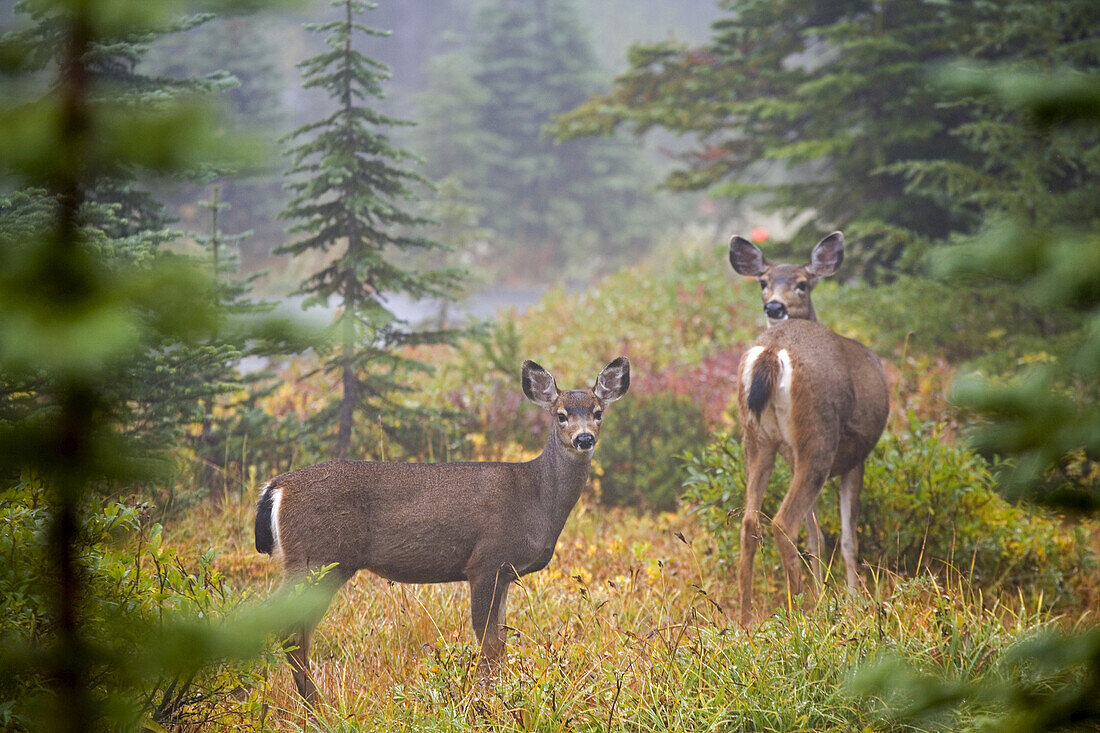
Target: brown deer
{"x": 816, "y": 398}
{"x": 485, "y": 523}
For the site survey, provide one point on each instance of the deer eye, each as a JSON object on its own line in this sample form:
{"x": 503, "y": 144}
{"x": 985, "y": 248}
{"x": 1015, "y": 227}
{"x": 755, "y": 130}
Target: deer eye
{"x": 801, "y": 287}
{"x": 598, "y": 414}
{"x": 763, "y": 284}
{"x": 562, "y": 418}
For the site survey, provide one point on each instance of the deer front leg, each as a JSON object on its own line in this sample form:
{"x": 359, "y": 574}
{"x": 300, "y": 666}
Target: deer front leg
{"x": 488, "y": 600}
{"x": 851, "y": 485}
{"x": 759, "y": 461}
{"x": 797, "y": 504}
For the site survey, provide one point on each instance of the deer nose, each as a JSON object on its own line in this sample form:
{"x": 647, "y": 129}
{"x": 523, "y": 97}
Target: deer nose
{"x": 584, "y": 441}
{"x": 775, "y": 309}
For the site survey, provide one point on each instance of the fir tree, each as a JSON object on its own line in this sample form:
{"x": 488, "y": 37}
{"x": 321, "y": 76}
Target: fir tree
{"x": 485, "y": 115}
{"x": 247, "y": 49}
{"x": 164, "y": 381}
{"x": 237, "y": 310}
{"x": 350, "y": 188}
{"x": 78, "y": 653}
{"x": 825, "y": 108}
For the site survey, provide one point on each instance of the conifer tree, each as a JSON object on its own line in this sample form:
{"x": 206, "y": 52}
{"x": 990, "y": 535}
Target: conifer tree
{"x": 234, "y": 332}
{"x": 78, "y": 653}
{"x": 835, "y": 103}
{"x": 485, "y": 115}
{"x": 351, "y": 189}
{"x": 247, "y": 48}
{"x": 163, "y": 382}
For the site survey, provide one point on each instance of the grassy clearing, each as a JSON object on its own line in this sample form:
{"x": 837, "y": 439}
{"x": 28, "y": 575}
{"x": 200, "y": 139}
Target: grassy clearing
{"x": 630, "y": 628}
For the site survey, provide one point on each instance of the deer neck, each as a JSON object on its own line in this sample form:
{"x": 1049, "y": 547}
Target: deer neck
{"x": 561, "y": 476}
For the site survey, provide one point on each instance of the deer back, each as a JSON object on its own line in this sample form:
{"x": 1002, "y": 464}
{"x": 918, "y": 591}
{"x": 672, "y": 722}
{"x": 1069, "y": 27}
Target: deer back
{"x": 409, "y": 522}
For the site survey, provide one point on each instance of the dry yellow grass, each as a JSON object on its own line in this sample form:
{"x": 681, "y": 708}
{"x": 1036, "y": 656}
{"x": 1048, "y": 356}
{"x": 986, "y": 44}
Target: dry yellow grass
{"x": 626, "y": 629}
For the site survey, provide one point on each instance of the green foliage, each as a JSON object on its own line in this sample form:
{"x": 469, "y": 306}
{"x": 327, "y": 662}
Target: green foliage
{"x": 840, "y": 97}
{"x": 94, "y": 320}
{"x": 990, "y": 326}
{"x": 926, "y": 506}
{"x": 1047, "y": 681}
{"x": 1048, "y": 415}
{"x": 349, "y": 189}
{"x": 1049, "y": 409}
{"x": 133, "y": 582}
{"x": 674, "y": 310}
{"x": 640, "y": 462}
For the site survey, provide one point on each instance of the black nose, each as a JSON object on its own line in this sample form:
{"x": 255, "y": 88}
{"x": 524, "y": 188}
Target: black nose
{"x": 584, "y": 441}
{"x": 775, "y": 309}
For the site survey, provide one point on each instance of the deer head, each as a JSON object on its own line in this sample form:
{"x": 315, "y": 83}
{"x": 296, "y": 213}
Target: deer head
{"x": 577, "y": 413}
{"x": 785, "y": 289}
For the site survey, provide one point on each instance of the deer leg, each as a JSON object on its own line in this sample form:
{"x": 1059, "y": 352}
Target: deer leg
{"x": 800, "y": 500}
{"x": 851, "y": 485}
{"x": 488, "y": 597}
{"x": 298, "y": 657}
{"x": 302, "y": 633}
{"x": 815, "y": 540}
{"x": 759, "y": 461}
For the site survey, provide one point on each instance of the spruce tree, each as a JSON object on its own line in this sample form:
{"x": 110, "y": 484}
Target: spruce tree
{"x": 351, "y": 191}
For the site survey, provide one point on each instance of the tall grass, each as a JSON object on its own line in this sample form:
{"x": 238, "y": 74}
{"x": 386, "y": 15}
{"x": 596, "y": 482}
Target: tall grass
{"x": 630, "y": 628}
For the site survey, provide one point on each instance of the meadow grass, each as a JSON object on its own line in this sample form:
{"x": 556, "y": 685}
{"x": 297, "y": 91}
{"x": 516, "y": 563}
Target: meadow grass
{"x": 631, "y": 627}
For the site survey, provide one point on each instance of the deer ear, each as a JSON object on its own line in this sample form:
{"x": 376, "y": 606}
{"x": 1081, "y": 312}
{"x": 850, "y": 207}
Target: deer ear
{"x": 746, "y": 257}
{"x": 613, "y": 381}
{"x": 539, "y": 385}
{"x": 827, "y": 255}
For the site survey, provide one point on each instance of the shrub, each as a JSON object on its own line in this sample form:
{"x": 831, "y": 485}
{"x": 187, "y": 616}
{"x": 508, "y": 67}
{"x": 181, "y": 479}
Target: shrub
{"x": 640, "y": 459}
{"x": 142, "y": 601}
{"x": 925, "y": 506}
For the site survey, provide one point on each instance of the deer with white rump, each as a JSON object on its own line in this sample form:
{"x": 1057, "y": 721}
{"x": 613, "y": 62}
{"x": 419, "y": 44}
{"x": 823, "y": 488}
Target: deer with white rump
{"x": 485, "y": 523}
{"x": 816, "y": 398}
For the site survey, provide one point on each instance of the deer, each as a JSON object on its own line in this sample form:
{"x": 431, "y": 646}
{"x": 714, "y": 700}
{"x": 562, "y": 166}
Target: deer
{"x": 816, "y": 398}
{"x": 485, "y": 523}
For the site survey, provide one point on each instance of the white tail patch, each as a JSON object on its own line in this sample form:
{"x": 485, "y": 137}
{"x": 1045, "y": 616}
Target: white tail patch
{"x": 782, "y": 398}
{"x": 786, "y": 372}
{"x": 276, "y": 501}
{"x": 750, "y": 360}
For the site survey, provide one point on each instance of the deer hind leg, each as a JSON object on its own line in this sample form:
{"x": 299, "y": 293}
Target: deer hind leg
{"x": 800, "y": 500}
{"x": 298, "y": 656}
{"x": 301, "y": 634}
{"x": 851, "y": 485}
{"x": 488, "y": 601}
{"x": 815, "y": 540}
{"x": 759, "y": 462}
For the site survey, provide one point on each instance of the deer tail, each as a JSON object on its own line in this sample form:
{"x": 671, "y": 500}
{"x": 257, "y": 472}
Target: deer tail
{"x": 760, "y": 379}
{"x": 266, "y": 518}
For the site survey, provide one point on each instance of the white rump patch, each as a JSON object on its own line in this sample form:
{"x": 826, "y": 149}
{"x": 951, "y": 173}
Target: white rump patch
{"x": 276, "y": 501}
{"x": 785, "y": 373}
{"x": 782, "y": 399}
{"x": 750, "y": 360}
